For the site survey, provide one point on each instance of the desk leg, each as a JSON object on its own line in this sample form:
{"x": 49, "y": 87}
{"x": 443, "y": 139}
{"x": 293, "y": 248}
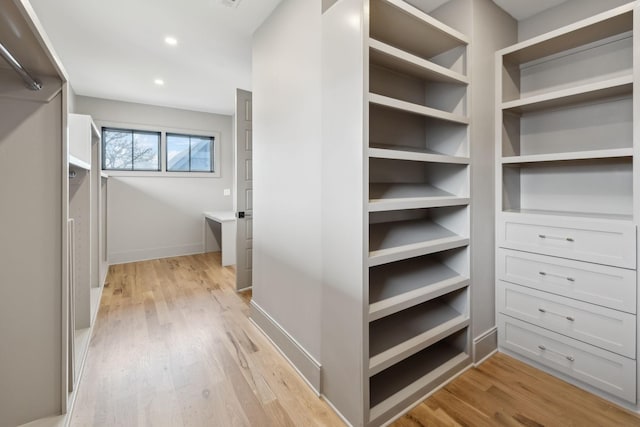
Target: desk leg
{"x": 228, "y": 243}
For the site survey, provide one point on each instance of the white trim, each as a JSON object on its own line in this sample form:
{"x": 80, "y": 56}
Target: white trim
{"x": 338, "y": 413}
{"x": 489, "y": 334}
{"x": 484, "y": 359}
{"x": 155, "y": 253}
{"x": 307, "y": 366}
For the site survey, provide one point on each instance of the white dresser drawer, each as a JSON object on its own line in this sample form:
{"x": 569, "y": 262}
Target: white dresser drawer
{"x": 597, "y": 284}
{"x": 603, "y": 327}
{"x": 601, "y": 241}
{"x": 599, "y": 368}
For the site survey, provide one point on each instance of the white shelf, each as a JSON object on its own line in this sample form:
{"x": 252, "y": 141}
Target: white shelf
{"x": 569, "y": 214}
{"x": 418, "y": 374}
{"x": 580, "y": 94}
{"x": 429, "y": 37}
{"x": 388, "y": 56}
{"x": 394, "y": 196}
{"x": 392, "y": 152}
{"x": 409, "y": 107}
{"x": 74, "y": 161}
{"x": 394, "y": 241}
{"x": 580, "y": 155}
{"x": 104, "y": 175}
{"x": 598, "y": 27}
{"x": 404, "y": 284}
{"x": 396, "y": 337}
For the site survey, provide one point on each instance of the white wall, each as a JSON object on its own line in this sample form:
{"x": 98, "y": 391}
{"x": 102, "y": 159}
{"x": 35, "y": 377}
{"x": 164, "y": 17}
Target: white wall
{"x": 159, "y": 216}
{"x": 287, "y": 170}
{"x": 563, "y": 14}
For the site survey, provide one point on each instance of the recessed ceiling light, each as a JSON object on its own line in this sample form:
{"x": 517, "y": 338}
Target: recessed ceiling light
{"x": 171, "y": 41}
{"x": 159, "y": 82}
{"x": 231, "y": 3}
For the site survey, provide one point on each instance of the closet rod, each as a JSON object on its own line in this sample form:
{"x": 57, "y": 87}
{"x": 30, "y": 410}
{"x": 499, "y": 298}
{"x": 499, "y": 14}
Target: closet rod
{"x": 32, "y": 83}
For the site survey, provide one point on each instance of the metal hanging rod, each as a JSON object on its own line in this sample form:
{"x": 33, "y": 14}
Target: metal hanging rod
{"x": 31, "y": 83}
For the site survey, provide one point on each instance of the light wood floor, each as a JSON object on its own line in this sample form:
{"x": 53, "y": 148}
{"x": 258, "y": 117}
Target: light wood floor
{"x": 173, "y": 346}
{"x": 505, "y": 392}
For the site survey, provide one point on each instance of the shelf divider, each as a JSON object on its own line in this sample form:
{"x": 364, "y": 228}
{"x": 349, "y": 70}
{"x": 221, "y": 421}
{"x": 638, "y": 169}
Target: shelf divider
{"x": 569, "y": 156}
{"x": 396, "y": 59}
{"x": 409, "y": 107}
{"x": 579, "y": 94}
{"x": 392, "y": 152}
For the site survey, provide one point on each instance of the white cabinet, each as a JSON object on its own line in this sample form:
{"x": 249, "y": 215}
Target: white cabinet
{"x": 594, "y": 283}
{"x": 566, "y": 241}
{"x": 599, "y": 368}
{"x": 593, "y": 240}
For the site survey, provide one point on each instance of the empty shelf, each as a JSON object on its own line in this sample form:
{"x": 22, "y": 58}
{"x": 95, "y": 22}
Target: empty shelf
{"x": 390, "y": 57}
{"x": 575, "y": 95}
{"x": 404, "y": 383}
{"x": 74, "y": 161}
{"x": 400, "y": 285}
{"x": 394, "y": 152}
{"x": 429, "y": 37}
{"x": 580, "y": 155}
{"x": 394, "y": 196}
{"x": 598, "y": 27}
{"x": 614, "y": 217}
{"x": 394, "y": 241}
{"x": 409, "y": 107}
{"x": 396, "y": 337}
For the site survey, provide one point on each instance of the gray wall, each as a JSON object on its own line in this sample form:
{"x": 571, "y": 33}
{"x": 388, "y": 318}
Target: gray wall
{"x": 160, "y": 216}
{"x": 493, "y": 29}
{"x": 563, "y": 14}
{"x": 287, "y": 170}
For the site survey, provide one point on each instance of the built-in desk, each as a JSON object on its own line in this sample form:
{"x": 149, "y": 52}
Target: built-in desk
{"x": 220, "y": 228}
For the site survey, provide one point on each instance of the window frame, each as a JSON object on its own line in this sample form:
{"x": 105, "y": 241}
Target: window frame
{"x": 217, "y": 150}
{"x": 133, "y": 132}
{"x": 211, "y": 151}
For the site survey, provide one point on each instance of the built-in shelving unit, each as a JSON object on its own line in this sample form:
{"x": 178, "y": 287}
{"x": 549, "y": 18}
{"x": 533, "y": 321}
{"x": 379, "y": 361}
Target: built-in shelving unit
{"x": 414, "y": 277}
{"x": 33, "y": 236}
{"x": 86, "y": 238}
{"x": 565, "y": 191}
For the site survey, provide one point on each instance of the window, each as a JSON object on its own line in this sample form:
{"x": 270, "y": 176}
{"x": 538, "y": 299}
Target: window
{"x": 189, "y": 153}
{"x": 131, "y": 150}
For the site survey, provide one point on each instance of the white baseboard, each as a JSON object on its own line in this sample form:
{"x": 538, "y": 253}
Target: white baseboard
{"x": 485, "y": 345}
{"x": 306, "y": 365}
{"x": 154, "y": 253}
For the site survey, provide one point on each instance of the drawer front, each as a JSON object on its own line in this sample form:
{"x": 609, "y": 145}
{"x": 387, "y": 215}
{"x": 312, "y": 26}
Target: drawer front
{"x": 603, "y": 327}
{"x": 603, "y": 242}
{"x": 599, "y": 368}
{"x": 597, "y": 284}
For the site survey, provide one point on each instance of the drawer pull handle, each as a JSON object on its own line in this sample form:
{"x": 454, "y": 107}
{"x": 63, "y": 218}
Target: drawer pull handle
{"x": 568, "y": 357}
{"x": 570, "y": 279}
{"x": 569, "y": 318}
{"x": 544, "y": 236}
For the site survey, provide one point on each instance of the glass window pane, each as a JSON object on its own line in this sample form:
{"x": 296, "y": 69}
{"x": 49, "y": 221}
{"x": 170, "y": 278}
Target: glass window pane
{"x": 177, "y": 153}
{"x": 201, "y": 154}
{"x": 145, "y": 150}
{"x": 117, "y": 149}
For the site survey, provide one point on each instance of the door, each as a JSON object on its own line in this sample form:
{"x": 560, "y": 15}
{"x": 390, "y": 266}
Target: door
{"x": 244, "y": 191}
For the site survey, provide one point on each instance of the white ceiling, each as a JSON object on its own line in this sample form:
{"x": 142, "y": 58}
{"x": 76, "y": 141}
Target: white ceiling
{"x": 115, "y": 49}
